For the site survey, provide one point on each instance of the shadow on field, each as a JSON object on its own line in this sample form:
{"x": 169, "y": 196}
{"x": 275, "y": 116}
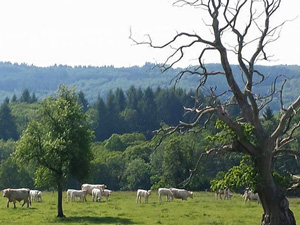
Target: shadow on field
{"x": 98, "y": 220}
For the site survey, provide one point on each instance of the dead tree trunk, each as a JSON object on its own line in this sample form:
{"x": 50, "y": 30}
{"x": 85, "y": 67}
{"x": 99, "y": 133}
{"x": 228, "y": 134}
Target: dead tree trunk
{"x": 242, "y": 19}
{"x": 274, "y": 202}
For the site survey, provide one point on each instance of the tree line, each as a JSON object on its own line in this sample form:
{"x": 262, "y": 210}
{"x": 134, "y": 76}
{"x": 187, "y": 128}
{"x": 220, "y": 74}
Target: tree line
{"x": 125, "y": 156}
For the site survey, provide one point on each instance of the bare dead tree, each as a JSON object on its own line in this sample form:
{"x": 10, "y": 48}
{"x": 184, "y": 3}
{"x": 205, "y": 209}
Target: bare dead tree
{"x": 249, "y": 22}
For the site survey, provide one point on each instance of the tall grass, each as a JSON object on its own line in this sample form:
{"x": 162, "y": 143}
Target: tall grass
{"x": 121, "y": 208}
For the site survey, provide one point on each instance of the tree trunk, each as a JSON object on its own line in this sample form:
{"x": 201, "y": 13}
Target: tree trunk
{"x": 274, "y": 202}
{"x": 59, "y": 200}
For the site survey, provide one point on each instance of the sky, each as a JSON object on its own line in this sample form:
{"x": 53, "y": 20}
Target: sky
{"x": 96, "y": 32}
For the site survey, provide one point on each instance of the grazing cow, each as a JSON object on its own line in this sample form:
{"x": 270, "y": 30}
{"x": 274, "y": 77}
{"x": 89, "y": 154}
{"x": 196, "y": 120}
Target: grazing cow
{"x": 142, "y": 193}
{"x": 78, "y": 194}
{"x": 181, "y": 193}
{"x": 106, "y": 193}
{"x": 96, "y": 194}
{"x": 89, "y": 187}
{"x": 226, "y": 192}
{"x": 35, "y": 195}
{"x": 165, "y": 191}
{"x": 69, "y": 194}
{"x": 14, "y": 195}
{"x": 39, "y": 196}
{"x": 249, "y": 195}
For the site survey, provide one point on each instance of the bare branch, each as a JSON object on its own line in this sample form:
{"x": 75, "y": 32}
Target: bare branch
{"x": 284, "y": 120}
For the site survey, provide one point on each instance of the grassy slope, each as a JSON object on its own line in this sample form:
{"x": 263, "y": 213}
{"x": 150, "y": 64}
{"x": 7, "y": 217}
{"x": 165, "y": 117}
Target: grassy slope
{"x": 122, "y": 209}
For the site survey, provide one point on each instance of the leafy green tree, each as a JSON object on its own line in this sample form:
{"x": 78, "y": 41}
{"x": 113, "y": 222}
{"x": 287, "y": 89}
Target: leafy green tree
{"x": 137, "y": 175}
{"x": 58, "y": 143}
{"x": 116, "y": 165}
{"x": 8, "y": 127}
{"x": 177, "y": 161}
{"x": 6, "y": 148}
{"x": 114, "y": 143}
{"x": 132, "y": 138}
{"x": 141, "y": 151}
{"x": 11, "y": 175}
{"x": 23, "y": 113}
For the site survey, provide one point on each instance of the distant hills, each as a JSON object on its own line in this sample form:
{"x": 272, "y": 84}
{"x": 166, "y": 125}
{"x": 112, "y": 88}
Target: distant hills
{"x": 97, "y": 81}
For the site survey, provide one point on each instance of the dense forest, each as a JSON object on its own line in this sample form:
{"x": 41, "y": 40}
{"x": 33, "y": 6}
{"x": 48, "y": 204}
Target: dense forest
{"x": 125, "y": 154}
{"x": 123, "y": 116}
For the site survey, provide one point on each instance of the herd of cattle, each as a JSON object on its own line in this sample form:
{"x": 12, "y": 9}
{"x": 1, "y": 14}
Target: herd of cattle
{"x": 97, "y": 191}
{"x": 248, "y": 195}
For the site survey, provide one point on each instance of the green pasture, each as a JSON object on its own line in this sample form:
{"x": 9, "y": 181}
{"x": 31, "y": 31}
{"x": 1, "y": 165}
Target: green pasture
{"x": 121, "y": 208}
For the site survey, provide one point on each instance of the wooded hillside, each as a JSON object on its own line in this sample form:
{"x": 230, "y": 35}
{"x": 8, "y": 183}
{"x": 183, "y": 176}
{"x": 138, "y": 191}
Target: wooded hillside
{"x": 98, "y": 81}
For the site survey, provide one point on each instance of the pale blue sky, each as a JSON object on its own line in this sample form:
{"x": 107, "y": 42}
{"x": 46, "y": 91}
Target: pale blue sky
{"x": 95, "y": 32}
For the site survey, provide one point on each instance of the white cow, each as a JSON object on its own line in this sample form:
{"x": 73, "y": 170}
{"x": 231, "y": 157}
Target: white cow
{"x": 165, "y": 191}
{"x": 69, "y": 194}
{"x": 142, "y": 193}
{"x": 181, "y": 193}
{"x": 78, "y": 194}
{"x": 33, "y": 195}
{"x": 249, "y": 195}
{"x": 96, "y": 194}
{"x": 106, "y": 193}
{"x": 14, "y": 195}
{"x": 89, "y": 187}
{"x": 39, "y": 196}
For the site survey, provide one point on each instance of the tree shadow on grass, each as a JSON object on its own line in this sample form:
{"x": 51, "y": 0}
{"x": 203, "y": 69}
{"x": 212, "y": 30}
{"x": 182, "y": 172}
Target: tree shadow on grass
{"x": 93, "y": 219}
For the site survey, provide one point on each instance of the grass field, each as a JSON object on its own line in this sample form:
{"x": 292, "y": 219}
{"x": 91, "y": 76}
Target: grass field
{"x": 121, "y": 208}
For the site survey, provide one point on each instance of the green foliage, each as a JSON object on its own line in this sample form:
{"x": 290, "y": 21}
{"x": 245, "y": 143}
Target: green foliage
{"x": 241, "y": 176}
{"x": 244, "y": 175}
{"x": 225, "y": 135}
{"x": 137, "y": 175}
{"x": 8, "y": 127}
{"x": 114, "y": 143}
{"x": 12, "y": 176}
{"x": 23, "y": 113}
{"x": 268, "y": 113}
{"x": 177, "y": 161}
{"x": 283, "y": 181}
{"x": 60, "y": 140}
{"x": 82, "y": 101}
{"x": 141, "y": 151}
{"x": 6, "y": 148}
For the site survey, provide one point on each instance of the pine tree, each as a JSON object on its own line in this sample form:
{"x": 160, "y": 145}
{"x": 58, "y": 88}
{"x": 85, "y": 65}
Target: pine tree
{"x": 8, "y": 127}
